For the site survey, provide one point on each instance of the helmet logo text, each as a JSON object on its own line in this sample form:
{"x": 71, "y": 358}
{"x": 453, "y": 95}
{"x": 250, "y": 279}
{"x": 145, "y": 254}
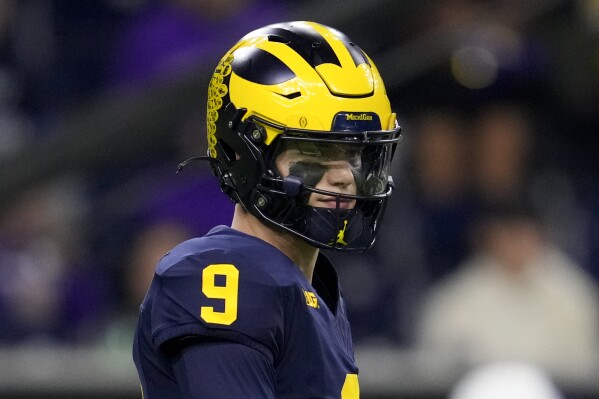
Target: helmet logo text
{"x": 358, "y": 117}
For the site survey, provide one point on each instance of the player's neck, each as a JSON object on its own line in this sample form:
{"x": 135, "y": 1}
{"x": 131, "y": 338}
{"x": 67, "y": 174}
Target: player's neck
{"x": 300, "y": 252}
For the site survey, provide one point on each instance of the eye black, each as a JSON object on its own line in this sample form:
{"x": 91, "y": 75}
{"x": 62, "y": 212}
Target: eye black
{"x": 309, "y": 172}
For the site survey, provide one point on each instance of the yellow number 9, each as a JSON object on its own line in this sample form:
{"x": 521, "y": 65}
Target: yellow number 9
{"x": 228, "y": 292}
{"x": 351, "y": 387}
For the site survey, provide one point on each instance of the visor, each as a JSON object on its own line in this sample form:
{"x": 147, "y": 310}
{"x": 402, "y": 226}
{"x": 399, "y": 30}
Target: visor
{"x": 352, "y": 169}
{"x": 359, "y": 160}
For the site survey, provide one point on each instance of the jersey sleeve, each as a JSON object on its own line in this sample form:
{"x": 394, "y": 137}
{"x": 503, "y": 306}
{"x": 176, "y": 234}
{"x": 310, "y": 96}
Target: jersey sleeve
{"x": 217, "y": 295}
{"x": 228, "y": 370}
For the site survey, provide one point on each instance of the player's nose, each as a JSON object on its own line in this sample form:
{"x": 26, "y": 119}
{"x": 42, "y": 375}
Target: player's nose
{"x": 339, "y": 174}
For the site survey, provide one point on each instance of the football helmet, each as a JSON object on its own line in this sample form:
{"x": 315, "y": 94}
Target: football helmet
{"x": 301, "y": 133}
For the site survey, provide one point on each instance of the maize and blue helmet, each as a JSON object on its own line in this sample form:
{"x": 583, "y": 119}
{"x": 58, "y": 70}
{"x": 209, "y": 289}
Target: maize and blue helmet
{"x": 306, "y": 88}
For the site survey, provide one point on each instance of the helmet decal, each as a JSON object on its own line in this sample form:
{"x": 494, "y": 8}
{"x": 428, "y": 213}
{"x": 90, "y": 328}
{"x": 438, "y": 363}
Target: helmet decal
{"x": 217, "y": 89}
{"x": 356, "y": 121}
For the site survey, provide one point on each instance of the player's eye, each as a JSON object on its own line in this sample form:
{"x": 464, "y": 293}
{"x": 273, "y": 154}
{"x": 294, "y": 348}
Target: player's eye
{"x": 309, "y": 172}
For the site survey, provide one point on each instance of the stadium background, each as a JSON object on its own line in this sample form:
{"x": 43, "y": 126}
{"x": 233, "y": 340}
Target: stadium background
{"x": 100, "y": 100}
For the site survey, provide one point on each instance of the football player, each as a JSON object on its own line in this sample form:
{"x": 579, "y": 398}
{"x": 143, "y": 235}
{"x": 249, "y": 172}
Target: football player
{"x": 301, "y": 137}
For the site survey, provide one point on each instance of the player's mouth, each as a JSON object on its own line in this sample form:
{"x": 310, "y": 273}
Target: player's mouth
{"x": 331, "y": 202}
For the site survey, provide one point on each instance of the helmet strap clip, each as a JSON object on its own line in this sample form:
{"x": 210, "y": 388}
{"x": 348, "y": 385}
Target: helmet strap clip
{"x": 292, "y": 185}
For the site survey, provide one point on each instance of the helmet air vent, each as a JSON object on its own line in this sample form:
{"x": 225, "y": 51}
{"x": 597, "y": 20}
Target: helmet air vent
{"x": 278, "y": 39}
{"x": 291, "y": 96}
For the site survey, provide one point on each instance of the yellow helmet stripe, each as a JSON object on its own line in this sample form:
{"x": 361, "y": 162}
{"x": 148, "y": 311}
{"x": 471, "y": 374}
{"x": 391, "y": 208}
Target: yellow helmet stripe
{"x": 337, "y": 45}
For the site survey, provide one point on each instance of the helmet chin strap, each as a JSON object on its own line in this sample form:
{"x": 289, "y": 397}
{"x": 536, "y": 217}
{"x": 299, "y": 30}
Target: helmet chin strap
{"x": 197, "y": 158}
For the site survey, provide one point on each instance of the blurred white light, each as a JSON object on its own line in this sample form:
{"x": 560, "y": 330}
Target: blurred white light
{"x": 474, "y": 67}
{"x": 505, "y": 381}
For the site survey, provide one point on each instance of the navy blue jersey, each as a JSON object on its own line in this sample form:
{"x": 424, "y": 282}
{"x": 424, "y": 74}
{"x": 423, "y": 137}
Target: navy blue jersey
{"x": 230, "y": 316}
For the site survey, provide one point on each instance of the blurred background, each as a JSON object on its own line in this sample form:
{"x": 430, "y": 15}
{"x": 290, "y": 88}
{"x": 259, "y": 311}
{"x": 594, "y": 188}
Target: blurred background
{"x": 485, "y": 273}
